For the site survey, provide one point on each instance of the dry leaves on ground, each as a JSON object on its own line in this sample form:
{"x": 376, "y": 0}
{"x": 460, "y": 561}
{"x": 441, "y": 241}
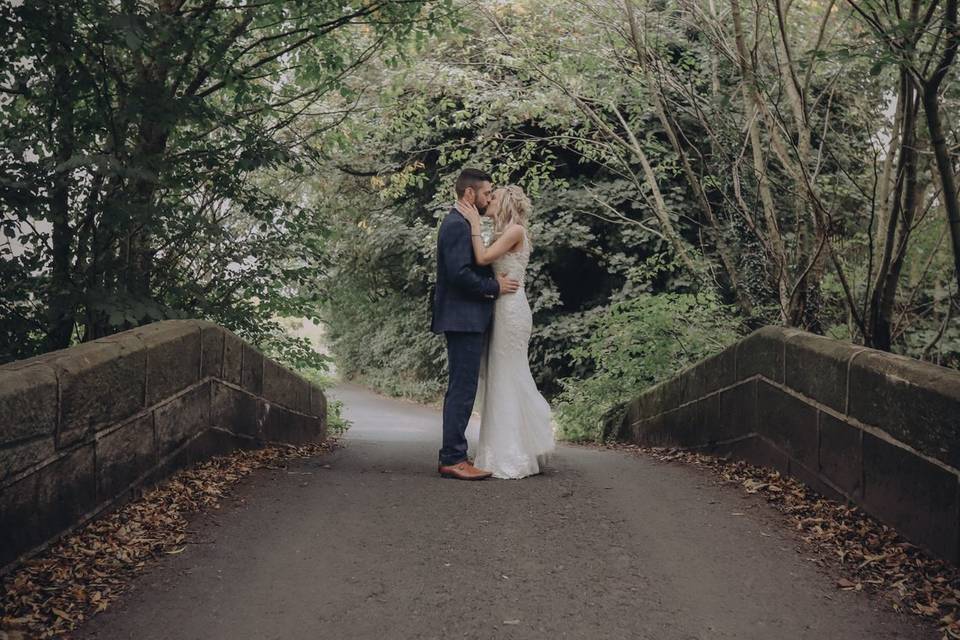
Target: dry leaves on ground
{"x": 80, "y": 575}
{"x": 871, "y": 556}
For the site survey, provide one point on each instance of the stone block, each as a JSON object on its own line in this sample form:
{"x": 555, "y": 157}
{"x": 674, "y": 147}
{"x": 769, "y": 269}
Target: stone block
{"x": 738, "y": 411}
{"x": 916, "y": 402}
{"x": 124, "y": 455}
{"x": 28, "y": 402}
{"x": 913, "y": 495}
{"x": 686, "y": 426}
{"x": 704, "y": 416}
{"x": 709, "y": 375}
{"x": 281, "y": 425}
{"x": 645, "y": 405}
{"x": 841, "y": 459}
{"x": 789, "y": 423}
{"x": 21, "y": 455}
{"x": 232, "y": 358}
{"x": 182, "y": 418}
{"x": 44, "y": 504}
{"x": 757, "y": 451}
{"x": 284, "y": 387}
{"x": 815, "y": 481}
{"x": 681, "y": 427}
{"x": 761, "y": 353}
{"x": 251, "y": 377}
{"x": 205, "y": 444}
{"x": 235, "y": 410}
{"x": 318, "y": 402}
{"x": 211, "y": 341}
{"x": 617, "y": 422}
{"x": 324, "y": 426}
{"x": 817, "y": 367}
{"x": 101, "y": 383}
{"x": 663, "y": 397}
{"x": 652, "y": 432}
{"x": 173, "y": 358}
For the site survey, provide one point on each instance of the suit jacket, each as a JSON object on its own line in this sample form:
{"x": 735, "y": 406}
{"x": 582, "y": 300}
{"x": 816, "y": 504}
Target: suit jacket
{"x": 465, "y": 292}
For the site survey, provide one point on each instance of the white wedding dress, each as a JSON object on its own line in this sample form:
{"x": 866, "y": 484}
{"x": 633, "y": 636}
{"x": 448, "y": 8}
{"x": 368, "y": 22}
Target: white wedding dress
{"x": 516, "y": 428}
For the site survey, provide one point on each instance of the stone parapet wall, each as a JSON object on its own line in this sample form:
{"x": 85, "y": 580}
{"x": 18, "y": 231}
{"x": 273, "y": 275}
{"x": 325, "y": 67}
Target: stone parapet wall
{"x": 879, "y": 430}
{"x": 82, "y": 427}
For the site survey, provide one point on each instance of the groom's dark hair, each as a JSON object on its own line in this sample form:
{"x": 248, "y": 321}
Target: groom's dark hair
{"x": 470, "y": 178}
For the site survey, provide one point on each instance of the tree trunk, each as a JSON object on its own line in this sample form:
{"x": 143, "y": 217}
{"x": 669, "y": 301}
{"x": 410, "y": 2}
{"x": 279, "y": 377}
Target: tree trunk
{"x": 752, "y": 111}
{"x": 61, "y": 304}
{"x": 899, "y": 221}
{"x": 931, "y": 107}
{"x": 713, "y": 229}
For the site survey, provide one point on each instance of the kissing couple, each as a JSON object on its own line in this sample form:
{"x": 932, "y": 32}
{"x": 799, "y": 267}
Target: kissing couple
{"x": 481, "y": 308}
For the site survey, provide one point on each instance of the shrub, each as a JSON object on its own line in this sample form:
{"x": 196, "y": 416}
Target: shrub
{"x": 638, "y": 343}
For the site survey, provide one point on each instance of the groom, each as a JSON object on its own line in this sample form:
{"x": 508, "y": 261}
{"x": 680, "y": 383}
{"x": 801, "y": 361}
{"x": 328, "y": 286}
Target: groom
{"x": 462, "y": 311}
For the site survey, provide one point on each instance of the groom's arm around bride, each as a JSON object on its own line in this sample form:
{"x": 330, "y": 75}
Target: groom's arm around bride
{"x": 462, "y": 311}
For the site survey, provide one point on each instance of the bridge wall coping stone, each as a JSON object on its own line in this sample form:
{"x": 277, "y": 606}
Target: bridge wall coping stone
{"x": 82, "y": 429}
{"x": 875, "y": 429}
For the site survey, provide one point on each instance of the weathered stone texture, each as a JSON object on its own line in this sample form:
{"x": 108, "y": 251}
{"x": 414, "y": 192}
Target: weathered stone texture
{"x": 286, "y": 388}
{"x": 738, "y": 411}
{"x": 761, "y": 353}
{"x": 318, "y": 402}
{"x": 252, "y": 374}
{"x": 817, "y": 368}
{"x": 232, "y": 358}
{"x": 125, "y": 454}
{"x": 282, "y": 425}
{"x": 16, "y": 457}
{"x": 182, "y": 418}
{"x": 914, "y": 495}
{"x": 711, "y": 374}
{"x": 101, "y": 382}
{"x": 841, "y": 458}
{"x": 211, "y": 340}
{"x": 79, "y": 427}
{"x": 46, "y": 502}
{"x": 811, "y": 407}
{"x": 915, "y": 402}
{"x": 788, "y": 422}
{"x": 28, "y": 402}
{"x": 173, "y": 358}
{"x": 755, "y": 450}
{"x": 235, "y": 410}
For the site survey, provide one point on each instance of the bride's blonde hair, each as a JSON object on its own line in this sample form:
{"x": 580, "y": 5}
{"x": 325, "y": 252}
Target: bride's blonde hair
{"x": 515, "y": 208}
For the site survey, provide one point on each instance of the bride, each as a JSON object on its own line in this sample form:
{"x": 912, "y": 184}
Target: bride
{"x": 516, "y": 430}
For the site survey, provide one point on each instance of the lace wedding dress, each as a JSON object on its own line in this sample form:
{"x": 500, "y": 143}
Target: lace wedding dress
{"x": 516, "y": 428}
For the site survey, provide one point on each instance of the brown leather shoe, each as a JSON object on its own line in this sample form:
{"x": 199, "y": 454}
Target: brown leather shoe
{"x": 486, "y": 474}
{"x": 463, "y": 470}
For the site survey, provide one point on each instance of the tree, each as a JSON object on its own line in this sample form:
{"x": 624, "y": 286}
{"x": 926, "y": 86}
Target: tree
{"x": 139, "y": 143}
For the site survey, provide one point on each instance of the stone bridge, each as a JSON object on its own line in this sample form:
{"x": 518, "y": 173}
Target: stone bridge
{"x": 368, "y": 541}
{"x": 82, "y": 427}
{"x": 876, "y": 429}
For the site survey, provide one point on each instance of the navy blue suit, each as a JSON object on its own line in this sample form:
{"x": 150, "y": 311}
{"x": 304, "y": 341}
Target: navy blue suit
{"x": 462, "y": 311}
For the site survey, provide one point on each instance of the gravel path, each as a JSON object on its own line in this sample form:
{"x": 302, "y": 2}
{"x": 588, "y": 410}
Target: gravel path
{"x": 368, "y": 542}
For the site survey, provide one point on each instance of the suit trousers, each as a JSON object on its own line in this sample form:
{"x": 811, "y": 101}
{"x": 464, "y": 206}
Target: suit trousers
{"x": 464, "y": 350}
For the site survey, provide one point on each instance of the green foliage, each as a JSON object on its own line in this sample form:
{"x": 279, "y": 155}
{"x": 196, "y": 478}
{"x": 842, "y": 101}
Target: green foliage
{"x": 419, "y": 125}
{"x": 635, "y": 344}
{"x": 211, "y": 160}
{"x": 337, "y": 425}
{"x": 510, "y": 97}
{"x": 151, "y": 156}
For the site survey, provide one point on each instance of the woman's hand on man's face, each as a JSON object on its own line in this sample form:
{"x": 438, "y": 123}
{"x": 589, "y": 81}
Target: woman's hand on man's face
{"x": 469, "y": 212}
